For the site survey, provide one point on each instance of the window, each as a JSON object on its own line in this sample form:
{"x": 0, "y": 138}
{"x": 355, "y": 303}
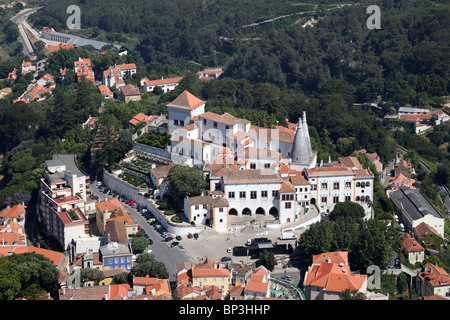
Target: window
{"x": 252, "y": 165}
{"x": 175, "y": 122}
{"x": 181, "y": 123}
{"x": 215, "y": 124}
{"x": 323, "y": 199}
{"x": 220, "y": 210}
{"x": 336, "y": 186}
{"x": 267, "y": 165}
{"x": 335, "y": 199}
{"x": 358, "y": 184}
{"x": 231, "y": 195}
{"x": 252, "y": 194}
{"x": 313, "y": 187}
{"x": 347, "y": 198}
{"x": 263, "y": 194}
{"x": 348, "y": 184}
{"x": 287, "y": 205}
{"x": 283, "y": 197}
{"x": 274, "y": 193}
{"x": 324, "y": 185}
{"x": 242, "y": 194}
{"x": 204, "y": 122}
{"x": 204, "y": 206}
{"x": 196, "y": 207}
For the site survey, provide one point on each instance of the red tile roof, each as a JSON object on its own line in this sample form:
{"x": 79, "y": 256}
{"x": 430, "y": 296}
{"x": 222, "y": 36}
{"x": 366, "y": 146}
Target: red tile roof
{"x": 415, "y": 117}
{"x": 160, "y": 82}
{"x": 436, "y": 276}
{"x": 54, "y": 256}
{"x": 333, "y": 277}
{"x": 16, "y": 212}
{"x": 186, "y": 100}
{"x": 410, "y": 244}
{"x": 331, "y": 257}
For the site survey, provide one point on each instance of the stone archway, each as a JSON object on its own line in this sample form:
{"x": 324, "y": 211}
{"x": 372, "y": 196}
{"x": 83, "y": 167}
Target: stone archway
{"x": 233, "y": 212}
{"x": 274, "y": 212}
{"x": 247, "y": 211}
{"x": 260, "y": 211}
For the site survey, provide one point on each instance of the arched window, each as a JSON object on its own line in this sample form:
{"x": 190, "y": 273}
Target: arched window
{"x": 357, "y": 198}
{"x": 367, "y": 184}
{"x": 367, "y": 198}
{"x": 358, "y": 184}
{"x": 363, "y": 184}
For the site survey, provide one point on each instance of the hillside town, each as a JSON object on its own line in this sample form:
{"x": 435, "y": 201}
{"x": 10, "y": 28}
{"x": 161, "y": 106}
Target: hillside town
{"x": 124, "y": 234}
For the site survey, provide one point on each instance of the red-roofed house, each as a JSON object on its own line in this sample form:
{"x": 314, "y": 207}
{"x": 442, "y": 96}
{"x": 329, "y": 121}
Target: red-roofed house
{"x": 142, "y": 117}
{"x": 57, "y": 258}
{"x": 211, "y": 276}
{"x": 60, "y": 46}
{"x": 400, "y": 181}
{"x": 325, "y": 281}
{"x": 412, "y": 249}
{"x": 83, "y": 69}
{"x": 15, "y": 213}
{"x": 112, "y": 77}
{"x": 104, "y": 90}
{"x": 441, "y": 116}
{"x": 27, "y": 66}
{"x": 258, "y": 285}
{"x": 127, "y": 69}
{"x": 166, "y": 85}
{"x": 433, "y": 280}
{"x": 182, "y": 109}
{"x": 416, "y": 117}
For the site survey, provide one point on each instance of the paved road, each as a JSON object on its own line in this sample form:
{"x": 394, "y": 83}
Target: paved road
{"x": 19, "y": 19}
{"x": 161, "y": 250}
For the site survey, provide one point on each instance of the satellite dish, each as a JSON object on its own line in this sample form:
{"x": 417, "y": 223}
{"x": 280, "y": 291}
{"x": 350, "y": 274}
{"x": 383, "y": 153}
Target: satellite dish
{"x": 52, "y": 170}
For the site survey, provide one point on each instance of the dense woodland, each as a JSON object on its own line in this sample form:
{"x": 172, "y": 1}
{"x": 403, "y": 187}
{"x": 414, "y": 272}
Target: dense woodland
{"x": 273, "y": 72}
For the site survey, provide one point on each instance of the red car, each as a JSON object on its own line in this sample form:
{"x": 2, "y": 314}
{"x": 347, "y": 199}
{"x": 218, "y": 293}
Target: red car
{"x": 131, "y": 203}
{"x": 189, "y": 235}
{"x": 168, "y": 239}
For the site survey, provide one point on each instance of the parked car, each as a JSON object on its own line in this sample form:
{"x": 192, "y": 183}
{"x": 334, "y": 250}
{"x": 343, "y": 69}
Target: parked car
{"x": 167, "y": 239}
{"x": 178, "y": 238}
{"x": 173, "y": 244}
{"x": 189, "y": 235}
{"x": 225, "y": 259}
{"x": 195, "y": 236}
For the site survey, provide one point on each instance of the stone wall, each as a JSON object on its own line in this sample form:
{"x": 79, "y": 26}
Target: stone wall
{"x": 132, "y": 193}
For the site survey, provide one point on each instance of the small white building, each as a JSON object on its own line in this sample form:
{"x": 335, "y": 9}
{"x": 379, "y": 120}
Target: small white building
{"x": 207, "y": 210}
{"x": 184, "y": 110}
{"x": 166, "y": 85}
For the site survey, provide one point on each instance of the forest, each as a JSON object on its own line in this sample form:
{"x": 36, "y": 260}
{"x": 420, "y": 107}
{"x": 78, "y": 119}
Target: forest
{"x": 273, "y": 72}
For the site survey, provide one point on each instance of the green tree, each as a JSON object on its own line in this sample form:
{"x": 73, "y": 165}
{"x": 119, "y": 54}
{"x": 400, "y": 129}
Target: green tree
{"x": 91, "y": 274}
{"x": 347, "y": 210}
{"x": 9, "y": 279}
{"x": 185, "y": 181}
{"x": 139, "y": 243}
{"x": 121, "y": 278}
{"x": 267, "y": 259}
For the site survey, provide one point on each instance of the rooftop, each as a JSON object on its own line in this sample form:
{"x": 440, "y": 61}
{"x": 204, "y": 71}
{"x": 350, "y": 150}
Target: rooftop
{"x": 414, "y": 203}
{"x": 186, "y": 100}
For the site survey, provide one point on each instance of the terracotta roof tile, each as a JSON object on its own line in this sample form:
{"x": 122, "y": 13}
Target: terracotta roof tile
{"x": 186, "y": 100}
